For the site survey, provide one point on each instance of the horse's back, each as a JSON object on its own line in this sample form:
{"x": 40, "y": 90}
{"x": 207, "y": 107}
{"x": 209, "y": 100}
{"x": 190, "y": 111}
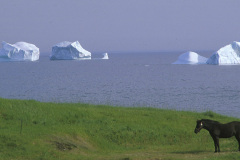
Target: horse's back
{"x": 235, "y": 125}
{"x": 229, "y": 129}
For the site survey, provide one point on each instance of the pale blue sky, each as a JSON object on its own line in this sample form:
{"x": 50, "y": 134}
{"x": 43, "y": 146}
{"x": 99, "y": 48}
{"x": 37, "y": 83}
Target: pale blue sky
{"x": 122, "y": 25}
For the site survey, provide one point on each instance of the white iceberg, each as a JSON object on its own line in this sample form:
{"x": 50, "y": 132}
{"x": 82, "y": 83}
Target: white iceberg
{"x": 227, "y": 55}
{"x": 105, "y": 56}
{"x": 191, "y": 58}
{"x": 69, "y": 51}
{"x": 20, "y": 51}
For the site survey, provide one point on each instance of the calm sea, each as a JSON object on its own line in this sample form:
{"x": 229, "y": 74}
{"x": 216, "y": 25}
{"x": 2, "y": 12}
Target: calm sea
{"x": 134, "y": 79}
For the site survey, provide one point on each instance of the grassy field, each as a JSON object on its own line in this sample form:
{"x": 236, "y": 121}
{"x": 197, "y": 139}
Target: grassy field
{"x": 45, "y": 131}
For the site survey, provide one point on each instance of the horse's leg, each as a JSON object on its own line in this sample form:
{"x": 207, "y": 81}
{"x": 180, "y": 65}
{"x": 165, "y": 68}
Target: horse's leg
{"x": 216, "y": 143}
{"x": 238, "y": 139}
{"x": 217, "y": 139}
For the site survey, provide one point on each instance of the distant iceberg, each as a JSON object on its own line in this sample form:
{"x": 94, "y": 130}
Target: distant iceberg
{"x": 105, "y": 56}
{"x": 69, "y": 51}
{"x": 191, "y": 58}
{"x": 20, "y": 51}
{"x": 227, "y": 55}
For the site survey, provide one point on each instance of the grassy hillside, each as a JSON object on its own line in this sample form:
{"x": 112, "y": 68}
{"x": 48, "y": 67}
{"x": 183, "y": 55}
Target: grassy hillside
{"x": 35, "y": 130}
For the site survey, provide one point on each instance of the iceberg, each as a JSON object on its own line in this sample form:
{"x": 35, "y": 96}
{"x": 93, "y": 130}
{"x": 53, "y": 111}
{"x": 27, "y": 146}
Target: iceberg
{"x": 190, "y": 58}
{"x": 20, "y": 51}
{"x": 227, "y": 55}
{"x": 105, "y": 56}
{"x": 69, "y": 51}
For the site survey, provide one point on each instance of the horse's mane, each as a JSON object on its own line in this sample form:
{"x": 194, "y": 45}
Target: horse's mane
{"x": 210, "y": 121}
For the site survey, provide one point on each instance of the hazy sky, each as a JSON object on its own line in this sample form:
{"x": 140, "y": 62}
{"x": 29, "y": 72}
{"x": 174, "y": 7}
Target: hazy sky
{"x": 122, "y": 25}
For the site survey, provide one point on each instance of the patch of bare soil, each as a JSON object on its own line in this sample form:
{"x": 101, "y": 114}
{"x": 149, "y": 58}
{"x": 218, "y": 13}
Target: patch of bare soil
{"x": 68, "y": 143}
{"x": 63, "y": 146}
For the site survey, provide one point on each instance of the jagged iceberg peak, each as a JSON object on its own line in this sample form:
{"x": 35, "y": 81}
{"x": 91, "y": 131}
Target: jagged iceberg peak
{"x": 227, "y": 55}
{"x": 105, "y": 56}
{"x": 20, "y": 51}
{"x": 190, "y": 58}
{"x": 69, "y": 51}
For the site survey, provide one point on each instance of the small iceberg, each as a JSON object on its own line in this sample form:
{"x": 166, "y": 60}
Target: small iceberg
{"x": 227, "y": 55}
{"x": 69, "y": 51}
{"x": 190, "y": 58}
{"x": 105, "y": 56}
{"x": 20, "y": 51}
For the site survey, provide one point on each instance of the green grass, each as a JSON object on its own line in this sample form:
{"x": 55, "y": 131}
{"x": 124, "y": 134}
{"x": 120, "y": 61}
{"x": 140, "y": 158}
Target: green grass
{"x": 35, "y": 130}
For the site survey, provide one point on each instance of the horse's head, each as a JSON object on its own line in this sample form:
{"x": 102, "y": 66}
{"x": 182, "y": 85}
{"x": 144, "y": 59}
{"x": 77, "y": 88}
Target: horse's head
{"x": 199, "y": 126}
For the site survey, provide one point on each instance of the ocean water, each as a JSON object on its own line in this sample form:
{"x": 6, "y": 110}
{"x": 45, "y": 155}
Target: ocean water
{"x": 136, "y": 80}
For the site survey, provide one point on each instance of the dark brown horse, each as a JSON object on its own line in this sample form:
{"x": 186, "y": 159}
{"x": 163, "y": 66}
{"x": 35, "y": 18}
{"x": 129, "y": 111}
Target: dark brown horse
{"x": 218, "y": 130}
